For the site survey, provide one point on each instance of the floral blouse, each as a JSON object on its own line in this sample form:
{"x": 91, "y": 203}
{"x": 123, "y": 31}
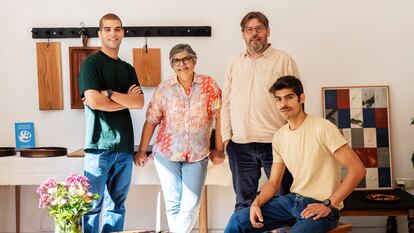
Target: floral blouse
{"x": 184, "y": 117}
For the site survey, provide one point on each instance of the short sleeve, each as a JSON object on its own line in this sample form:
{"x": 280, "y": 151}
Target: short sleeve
{"x": 88, "y": 78}
{"x": 155, "y": 111}
{"x": 133, "y": 76}
{"x": 277, "y": 158}
{"x": 215, "y": 100}
{"x": 331, "y": 136}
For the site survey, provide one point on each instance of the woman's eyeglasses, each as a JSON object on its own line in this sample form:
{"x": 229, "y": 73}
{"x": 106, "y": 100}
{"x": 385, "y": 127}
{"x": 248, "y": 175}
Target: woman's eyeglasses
{"x": 184, "y": 60}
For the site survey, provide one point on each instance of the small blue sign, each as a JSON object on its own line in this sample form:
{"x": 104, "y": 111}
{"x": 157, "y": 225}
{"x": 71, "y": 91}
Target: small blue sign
{"x": 25, "y": 137}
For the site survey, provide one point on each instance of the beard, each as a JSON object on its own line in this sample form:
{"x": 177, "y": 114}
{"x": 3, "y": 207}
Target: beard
{"x": 256, "y": 45}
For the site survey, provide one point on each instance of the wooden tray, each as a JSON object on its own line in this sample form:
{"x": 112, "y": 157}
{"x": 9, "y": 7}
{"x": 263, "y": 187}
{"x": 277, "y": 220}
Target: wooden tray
{"x": 7, "y": 151}
{"x": 41, "y": 152}
{"x": 81, "y": 153}
{"x": 379, "y": 197}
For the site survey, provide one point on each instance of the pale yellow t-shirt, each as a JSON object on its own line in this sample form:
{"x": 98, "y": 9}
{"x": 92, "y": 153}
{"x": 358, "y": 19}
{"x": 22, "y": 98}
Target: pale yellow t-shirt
{"x": 308, "y": 154}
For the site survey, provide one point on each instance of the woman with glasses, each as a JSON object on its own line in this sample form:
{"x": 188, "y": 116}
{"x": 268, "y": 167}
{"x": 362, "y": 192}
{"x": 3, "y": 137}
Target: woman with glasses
{"x": 184, "y": 106}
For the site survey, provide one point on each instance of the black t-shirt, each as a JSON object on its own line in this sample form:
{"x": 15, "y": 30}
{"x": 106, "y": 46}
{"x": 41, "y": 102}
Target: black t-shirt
{"x": 107, "y": 130}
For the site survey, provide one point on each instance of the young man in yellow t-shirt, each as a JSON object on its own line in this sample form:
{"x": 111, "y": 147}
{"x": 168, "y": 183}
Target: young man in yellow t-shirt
{"x": 313, "y": 150}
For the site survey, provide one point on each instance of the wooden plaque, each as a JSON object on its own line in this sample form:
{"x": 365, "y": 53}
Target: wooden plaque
{"x": 49, "y": 75}
{"x": 147, "y": 64}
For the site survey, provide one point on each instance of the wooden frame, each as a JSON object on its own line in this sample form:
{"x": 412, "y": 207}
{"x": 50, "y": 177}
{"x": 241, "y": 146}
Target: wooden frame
{"x": 362, "y": 115}
{"x": 76, "y": 57}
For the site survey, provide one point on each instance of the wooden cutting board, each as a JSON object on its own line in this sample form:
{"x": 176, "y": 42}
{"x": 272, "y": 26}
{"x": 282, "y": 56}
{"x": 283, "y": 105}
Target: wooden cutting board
{"x": 147, "y": 64}
{"x": 76, "y": 57}
{"x": 49, "y": 75}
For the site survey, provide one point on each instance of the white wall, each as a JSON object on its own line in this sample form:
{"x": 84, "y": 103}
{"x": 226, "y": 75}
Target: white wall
{"x": 334, "y": 43}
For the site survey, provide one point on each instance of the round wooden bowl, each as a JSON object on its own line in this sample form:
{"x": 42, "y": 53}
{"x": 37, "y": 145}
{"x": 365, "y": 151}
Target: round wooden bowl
{"x": 41, "y": 152}
{"x": 7, "y": 151}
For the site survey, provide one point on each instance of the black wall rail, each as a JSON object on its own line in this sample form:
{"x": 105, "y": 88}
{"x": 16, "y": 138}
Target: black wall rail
{"x": 161, "y": 31}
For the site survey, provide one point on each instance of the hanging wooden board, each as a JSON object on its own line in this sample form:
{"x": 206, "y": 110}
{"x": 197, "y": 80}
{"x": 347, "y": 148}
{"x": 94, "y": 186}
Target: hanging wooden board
{"x": 49, "y": 75}
{"x": 76, "y": 57}
{"x": 147, "y": 64}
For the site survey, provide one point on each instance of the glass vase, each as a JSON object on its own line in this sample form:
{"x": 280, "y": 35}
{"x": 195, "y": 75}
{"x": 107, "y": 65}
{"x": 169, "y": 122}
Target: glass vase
{"x": 68, "y": 225}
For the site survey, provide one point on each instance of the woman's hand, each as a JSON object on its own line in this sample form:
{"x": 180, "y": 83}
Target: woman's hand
{"x": 217, "y": 157}
{"x": 140, "y": 158}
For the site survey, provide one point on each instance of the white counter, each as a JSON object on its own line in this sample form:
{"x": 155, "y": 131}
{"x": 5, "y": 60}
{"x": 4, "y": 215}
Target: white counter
{"x": 16, "y": 170}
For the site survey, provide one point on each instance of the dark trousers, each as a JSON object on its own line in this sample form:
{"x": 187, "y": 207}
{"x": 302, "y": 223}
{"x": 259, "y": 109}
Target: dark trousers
{"x": 246, "y": 161}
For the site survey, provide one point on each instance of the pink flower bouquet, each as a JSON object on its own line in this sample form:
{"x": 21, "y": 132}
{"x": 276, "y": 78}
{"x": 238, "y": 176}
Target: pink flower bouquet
{"x": 66, "y": 201}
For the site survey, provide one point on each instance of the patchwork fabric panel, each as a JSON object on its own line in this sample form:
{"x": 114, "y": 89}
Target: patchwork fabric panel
{"x": 362, "y": 116}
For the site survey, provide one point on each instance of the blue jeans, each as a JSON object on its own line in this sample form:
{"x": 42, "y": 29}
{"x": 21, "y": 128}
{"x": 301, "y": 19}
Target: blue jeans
{"x": 109, "y": 173}
{"x": 280, "y": 211}
{"x": 246, "y": 161}
{"x": 182, "y": 185}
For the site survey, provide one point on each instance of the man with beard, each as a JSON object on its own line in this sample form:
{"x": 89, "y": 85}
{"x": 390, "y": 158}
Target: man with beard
{"x": 249, "y": 115}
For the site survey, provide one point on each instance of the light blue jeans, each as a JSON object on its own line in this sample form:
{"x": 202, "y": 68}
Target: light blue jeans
{"x": 182, "y": 185}
{"x": 109, "y": 174}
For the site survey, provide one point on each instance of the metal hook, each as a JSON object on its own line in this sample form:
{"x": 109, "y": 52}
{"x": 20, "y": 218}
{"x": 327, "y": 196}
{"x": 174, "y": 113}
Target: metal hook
{"x": 146, "y": 44}
{"x": 48, "y": 39}
{"x": 83, "y": 35}
{"x": 146, "y": 41}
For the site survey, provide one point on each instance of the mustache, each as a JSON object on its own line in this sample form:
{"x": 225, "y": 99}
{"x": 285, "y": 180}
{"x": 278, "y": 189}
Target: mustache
{"x": 254, "y": 38}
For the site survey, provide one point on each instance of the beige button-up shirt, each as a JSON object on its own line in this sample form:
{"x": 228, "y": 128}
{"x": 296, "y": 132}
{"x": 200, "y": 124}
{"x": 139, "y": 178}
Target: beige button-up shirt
{"x": 249, "y": 112}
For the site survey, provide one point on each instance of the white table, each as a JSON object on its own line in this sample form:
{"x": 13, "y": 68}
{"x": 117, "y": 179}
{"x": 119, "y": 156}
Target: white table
{"x": 17, "y": 171}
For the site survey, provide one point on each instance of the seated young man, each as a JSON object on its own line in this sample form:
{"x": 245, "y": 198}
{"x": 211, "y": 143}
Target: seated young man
{"x": 313, "y": 150}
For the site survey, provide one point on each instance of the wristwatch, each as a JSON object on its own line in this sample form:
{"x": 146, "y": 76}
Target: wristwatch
{"x": 109, "y": 92}
{"x": 327, "y": 203}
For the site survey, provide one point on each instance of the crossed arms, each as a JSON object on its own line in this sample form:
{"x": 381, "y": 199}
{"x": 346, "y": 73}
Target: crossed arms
{"x": 98, "y": 100}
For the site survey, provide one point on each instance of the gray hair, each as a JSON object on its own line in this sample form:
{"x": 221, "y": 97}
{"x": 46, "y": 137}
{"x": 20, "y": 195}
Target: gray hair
{"x": 183, "y": 48}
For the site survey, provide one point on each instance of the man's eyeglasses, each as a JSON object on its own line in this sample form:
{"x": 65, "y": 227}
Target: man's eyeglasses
{"x": 258, "y": 29}
{"x": 184, "y": 60}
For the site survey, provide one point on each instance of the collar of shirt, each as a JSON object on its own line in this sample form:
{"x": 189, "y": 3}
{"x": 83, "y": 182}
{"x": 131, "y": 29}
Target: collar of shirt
{"x": 174, "y": 79}
{"x": 265, "y": 53}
